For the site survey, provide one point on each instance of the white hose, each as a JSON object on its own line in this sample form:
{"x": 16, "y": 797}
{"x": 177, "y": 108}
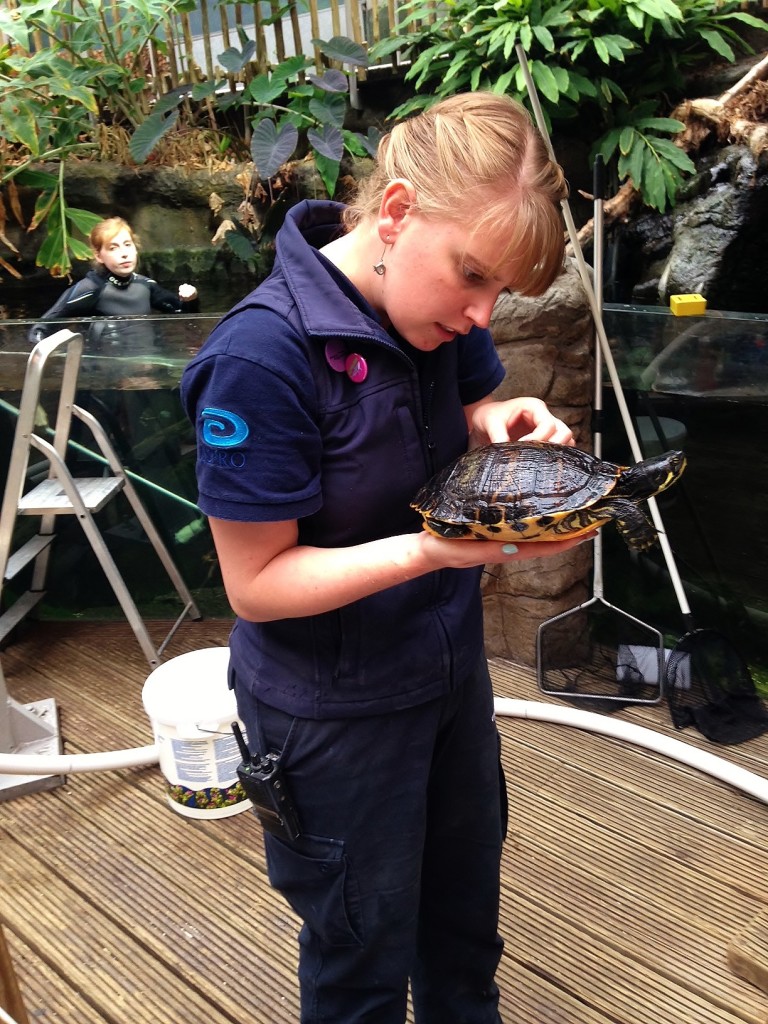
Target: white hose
{"x": 718, "y": 767}
{"x": 64, "y": 764}
{"x": 711, "y": 764}
{"x": 6, "y": 1018}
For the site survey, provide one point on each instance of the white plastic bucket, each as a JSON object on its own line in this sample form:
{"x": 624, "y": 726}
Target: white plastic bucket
{"x": 191, "y": 709}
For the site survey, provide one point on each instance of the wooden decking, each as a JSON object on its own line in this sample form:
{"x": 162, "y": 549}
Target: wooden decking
{"x": 626, "y": 875}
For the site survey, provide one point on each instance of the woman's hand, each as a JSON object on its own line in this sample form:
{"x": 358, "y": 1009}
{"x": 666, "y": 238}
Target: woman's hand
{"x": 464, "y": 554}
{"x": 517, "y": 419}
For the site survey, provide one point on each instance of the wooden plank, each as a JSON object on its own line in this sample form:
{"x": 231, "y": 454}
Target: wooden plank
{"x": 748, "y": 952}
{"x": 10, "y": 994}
{"x": 141, "y": 874}
{"x": 44, "y": 989}
{"x": 652, "y": 930}
{"x": 625, "y": 877}
{"x": 599, "y": 977}
{"x": 620, "y": 804}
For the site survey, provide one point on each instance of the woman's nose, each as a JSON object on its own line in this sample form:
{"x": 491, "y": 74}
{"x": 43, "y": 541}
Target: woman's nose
{"x": 480, "y": 310}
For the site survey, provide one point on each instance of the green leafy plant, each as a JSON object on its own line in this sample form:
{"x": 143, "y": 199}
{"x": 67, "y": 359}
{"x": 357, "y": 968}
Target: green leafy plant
{"x": 293, "y": 104}
{"x": 616, "y": 65}
{"x": 53, "y": 97}
{"x": 88, "y": 83}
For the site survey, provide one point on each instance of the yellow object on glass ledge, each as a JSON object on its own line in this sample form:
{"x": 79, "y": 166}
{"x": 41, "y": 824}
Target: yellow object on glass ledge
{"x": 687, "y": 305}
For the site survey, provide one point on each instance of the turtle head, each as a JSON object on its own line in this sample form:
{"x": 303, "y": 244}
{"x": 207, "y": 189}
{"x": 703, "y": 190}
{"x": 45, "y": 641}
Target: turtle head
{"x": 651, "y": 476}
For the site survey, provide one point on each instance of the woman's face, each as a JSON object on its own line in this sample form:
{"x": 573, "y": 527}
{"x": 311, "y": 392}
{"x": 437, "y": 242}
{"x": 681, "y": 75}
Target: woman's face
{"x": 119, "y": 254}
{"x": 437, "y": 283}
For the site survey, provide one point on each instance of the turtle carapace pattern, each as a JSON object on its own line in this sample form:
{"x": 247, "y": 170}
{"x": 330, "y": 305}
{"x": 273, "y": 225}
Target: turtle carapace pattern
{"x": 537, "y": 491}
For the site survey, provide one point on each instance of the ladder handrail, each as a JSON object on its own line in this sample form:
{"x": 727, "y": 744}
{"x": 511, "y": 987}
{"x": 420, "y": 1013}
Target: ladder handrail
{"x": 25, "y": 428}
{"x": 26, "y": 438}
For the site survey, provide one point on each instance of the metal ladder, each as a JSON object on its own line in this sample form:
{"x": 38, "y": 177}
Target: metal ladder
{"x": 63, "y": 494}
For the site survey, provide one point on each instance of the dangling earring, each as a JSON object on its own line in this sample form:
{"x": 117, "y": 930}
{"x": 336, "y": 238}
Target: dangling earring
{"x": 379, "y": 268}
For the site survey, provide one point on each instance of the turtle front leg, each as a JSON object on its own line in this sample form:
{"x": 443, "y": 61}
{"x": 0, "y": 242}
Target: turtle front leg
{"x": 631, "y": 522}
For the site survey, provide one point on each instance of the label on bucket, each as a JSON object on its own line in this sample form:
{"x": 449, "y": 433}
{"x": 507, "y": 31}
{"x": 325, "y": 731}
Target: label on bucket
{"x": 210, "y": 763}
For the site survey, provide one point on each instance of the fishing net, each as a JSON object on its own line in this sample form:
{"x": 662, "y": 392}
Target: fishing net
{"x": 600, "y": 657}
{"x": 709, "y": 687}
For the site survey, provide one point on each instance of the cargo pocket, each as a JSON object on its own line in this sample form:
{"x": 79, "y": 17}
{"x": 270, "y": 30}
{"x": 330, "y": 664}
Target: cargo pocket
{"x": 315, "y": 878}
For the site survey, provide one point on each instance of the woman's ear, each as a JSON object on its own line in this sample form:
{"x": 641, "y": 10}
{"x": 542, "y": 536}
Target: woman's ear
{"x": 396, "y": 202}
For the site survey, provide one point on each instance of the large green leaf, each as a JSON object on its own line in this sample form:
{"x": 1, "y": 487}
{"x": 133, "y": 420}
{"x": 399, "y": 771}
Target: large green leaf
{"x": 660, "y": 9}
{"x": 79, "y": 250}
{"x": 62, "y": 88}
{"x": 264, "y": 90}
{"x": 344, "y": 50}
{"x": 328, "y": 141}
{"x": 652, "y": 184}
{"x": 53, "y": 253}
{"x": 675, "y": 156}
{"x": 328, "y": 171}
{"x": 658, "y": 124}
{"x": 202, "y": 90}
{"x": 20, "y": 125}
{"x": 544, "y": 37}
{"x": 634, "y": 164}
{"x": 83, "y": 220}
{"x": 37, "y": 179}
{"x": 290, "y": 67}
{"x": 329, "y": 108}
{"x": 718, "y": 43}
{"x": 332, "y": 81}
{"x": 545, "y": 80}
{"x": 270, "y": 147}
{"x": 170, "y": 100}
{"x": 234, "y": 60}
{"x": 148, "y": 134}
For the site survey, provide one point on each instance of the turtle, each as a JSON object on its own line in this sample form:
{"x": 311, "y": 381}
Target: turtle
{"x": 540, "y": 491}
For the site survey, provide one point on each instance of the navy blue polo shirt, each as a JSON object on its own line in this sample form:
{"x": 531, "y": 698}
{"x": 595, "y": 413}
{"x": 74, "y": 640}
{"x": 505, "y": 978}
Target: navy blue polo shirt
{"x": 306, "y": 408}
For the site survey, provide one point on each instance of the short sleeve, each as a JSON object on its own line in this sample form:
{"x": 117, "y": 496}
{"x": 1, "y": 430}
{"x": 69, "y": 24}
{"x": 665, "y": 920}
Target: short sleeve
{"x": 251, "y": 397}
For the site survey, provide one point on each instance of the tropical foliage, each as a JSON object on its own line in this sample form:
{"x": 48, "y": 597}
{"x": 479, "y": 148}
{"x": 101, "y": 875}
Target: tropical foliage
{"x": 90, "y": 82}
{"x": 617, "y": 66}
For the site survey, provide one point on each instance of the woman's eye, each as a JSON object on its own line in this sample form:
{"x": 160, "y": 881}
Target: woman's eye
{"x": 473, "y": 276}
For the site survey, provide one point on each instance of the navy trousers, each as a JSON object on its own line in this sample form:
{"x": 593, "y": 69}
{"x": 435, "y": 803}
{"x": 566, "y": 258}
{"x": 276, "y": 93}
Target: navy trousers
{"x": 396, "y": 873}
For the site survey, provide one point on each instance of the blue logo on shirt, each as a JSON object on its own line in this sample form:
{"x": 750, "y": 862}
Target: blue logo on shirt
{"x": 223, "y": 429}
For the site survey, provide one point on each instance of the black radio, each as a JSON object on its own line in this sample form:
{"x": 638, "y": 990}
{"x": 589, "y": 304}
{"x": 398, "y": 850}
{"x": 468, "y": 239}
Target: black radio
{"x": 262, "y": 780}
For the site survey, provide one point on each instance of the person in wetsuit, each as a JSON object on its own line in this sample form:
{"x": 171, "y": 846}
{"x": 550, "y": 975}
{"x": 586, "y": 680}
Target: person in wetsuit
{"x": 114, "y": 289}
{"x": 134, "y": 416}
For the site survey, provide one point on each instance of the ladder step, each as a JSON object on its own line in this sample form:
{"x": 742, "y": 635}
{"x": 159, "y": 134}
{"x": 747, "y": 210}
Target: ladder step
{"x": 49, "y": 497}
{"x": 26, "y": 553}
{"x": 23, "y": 606}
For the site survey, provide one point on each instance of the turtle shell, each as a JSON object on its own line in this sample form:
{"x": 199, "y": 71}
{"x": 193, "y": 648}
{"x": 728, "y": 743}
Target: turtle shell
{"x": 525, "y": 490}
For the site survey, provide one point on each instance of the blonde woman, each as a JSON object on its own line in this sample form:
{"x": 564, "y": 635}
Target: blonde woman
{"x": 322, "y": 402}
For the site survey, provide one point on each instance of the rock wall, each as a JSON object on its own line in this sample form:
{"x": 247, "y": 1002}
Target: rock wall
{"x": 547, "y": 347}
{"x": 712, "y": 242}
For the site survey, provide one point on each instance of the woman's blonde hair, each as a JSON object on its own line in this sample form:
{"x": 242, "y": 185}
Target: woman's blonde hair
{"x": 477, "y": 158}
{"x": 103, "y": 232}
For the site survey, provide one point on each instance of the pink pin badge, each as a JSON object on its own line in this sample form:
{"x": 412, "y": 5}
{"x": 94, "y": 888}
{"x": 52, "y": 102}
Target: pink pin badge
{"x": 336, "y": 355}
{"x": 356, "y": 367}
